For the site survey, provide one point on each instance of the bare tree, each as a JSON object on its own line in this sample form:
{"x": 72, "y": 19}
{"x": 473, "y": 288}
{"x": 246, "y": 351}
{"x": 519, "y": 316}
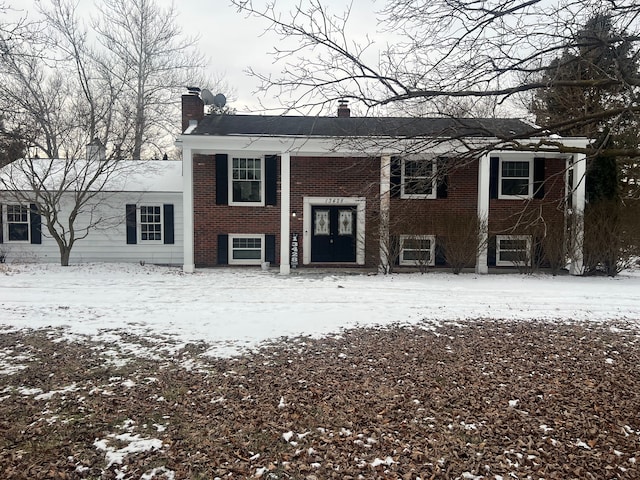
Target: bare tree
{"x": 70, "y": 199}
{"x": 61, "y": 93}
{"x": 152, "y": 59}
{"x": 441, "y": 51}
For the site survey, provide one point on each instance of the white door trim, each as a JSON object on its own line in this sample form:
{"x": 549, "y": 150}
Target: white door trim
{"x": 359, "y": 202}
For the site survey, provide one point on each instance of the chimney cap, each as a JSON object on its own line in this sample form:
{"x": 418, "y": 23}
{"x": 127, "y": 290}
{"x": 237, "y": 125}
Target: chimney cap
{"x": 343, "y": 108}
{"x": 194, "y": 90}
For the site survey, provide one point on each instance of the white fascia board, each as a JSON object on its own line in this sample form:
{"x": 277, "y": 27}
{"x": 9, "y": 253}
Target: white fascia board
{"x": 362, "y": 146}
{"x": 319, "y": 146}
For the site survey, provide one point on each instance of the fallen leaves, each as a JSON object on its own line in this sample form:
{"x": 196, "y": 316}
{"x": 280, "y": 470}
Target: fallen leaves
{"x": 475, "y": 400}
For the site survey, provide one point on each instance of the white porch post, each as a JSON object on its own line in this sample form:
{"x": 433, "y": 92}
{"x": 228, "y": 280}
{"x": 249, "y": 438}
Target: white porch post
{"x": 578, "y": 200}
{"x": 187, "y": 205}
{"x": 482, "y": 266}
{"x": 385, "y": 211}
{"x": 285, "y": 213}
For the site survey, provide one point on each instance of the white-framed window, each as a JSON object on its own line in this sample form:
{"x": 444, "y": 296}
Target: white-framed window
{"x": 246, "y": 182}
{"x": 513, "y": 250}
{"x": 246, "y": 249}
{"x": 515, "y": 179}
{"x": 150, "y": 221}
{"x": 17, "y": 221}
{"x": 418, "y": 178}
{"x": 417, "y": 250}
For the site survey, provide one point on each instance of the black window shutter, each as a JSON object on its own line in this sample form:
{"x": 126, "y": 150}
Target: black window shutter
{"x": 491, "y": 251}
{"x": 132, "y": 234}
{"x": 270, "y": 249}
{"x": 538, "y": 178}
{"x": 271, "y": 179}
{"x": 36, "y": 225}
{"x": 396, "y": 176}
{"x": 1, "y": 239}
{"x": 441, "y": 259}
{"x": 167, "y": 210}
{"x": 442, "y": 189}
{"x": 223, "y": 249}
{"x": 494, "y": 172}
{"x": 222, "y": 179}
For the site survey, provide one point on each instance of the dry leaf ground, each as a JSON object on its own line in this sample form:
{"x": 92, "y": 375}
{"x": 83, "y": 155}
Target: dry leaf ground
{"x": 476, "y": 400}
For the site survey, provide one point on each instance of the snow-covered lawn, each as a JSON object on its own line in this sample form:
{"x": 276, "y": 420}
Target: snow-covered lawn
{"x": 521, "y": 371}
{"x": 233, "y": 309}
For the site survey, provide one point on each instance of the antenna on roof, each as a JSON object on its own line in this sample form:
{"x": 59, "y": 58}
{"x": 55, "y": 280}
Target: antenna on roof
{"x": 207, "y": 96}
{"x": 220, "y": 100}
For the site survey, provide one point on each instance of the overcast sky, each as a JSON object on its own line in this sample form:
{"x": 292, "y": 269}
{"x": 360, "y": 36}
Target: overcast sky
{"x": 232, "y": 41}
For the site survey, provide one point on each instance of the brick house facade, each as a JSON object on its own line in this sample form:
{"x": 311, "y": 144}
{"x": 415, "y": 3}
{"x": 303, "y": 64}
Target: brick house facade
{"x": 343, "y": 191}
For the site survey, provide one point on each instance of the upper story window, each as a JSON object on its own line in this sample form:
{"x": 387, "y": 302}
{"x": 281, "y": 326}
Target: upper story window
{"x": 18, "y": 223}
{"x": 516, "y": 178}
{"x": 418, "y": 178}
{"x": 151, "y": 223}
{"x": 247, "y": 186}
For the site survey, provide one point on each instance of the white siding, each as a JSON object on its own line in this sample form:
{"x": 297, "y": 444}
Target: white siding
{"x": 108, "y": 243}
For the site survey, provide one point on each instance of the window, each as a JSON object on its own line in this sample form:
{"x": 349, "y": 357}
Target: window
{"x": 513, "y": 250}
{"x": 417, "y": 250}
{"x": 516, "y": 178}
{"x": 151, "y": 223}
{"x": 246, "y": 249}
{"x": 18, "y": 223}
{"x": 418, "y": 178}
{"x": 246, "y": 181}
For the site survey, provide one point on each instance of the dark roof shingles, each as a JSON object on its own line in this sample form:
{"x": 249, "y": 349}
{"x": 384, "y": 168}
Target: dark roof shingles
{"x": 359, "y": 126}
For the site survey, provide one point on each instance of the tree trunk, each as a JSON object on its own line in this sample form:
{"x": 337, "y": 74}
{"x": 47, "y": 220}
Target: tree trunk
{"x": 65, "y": 253}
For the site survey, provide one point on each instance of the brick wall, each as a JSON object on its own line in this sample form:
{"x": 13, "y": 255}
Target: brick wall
{"x": 520, "y": 216}
{"x": 429, "y": 216}
{"x": 359, "y": 177}
{"x": 310, "y": 177}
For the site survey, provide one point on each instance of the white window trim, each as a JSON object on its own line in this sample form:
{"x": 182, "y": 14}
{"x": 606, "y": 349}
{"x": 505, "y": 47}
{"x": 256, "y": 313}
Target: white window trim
{"x": 230, "y": 158}
{"x": 529, "y": 194}
{"x": 139, "y": 223}
{"x": 232, "y": 261}
{"x": 5, "y": 223}
{"x": 508, "y": 263}
{"x": 403, "y": 179}
{"x": 414, "y": 263}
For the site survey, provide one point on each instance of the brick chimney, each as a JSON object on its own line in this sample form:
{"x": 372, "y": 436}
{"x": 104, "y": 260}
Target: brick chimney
{"x": 343, "y": 108}
{"x": 192, "y": 107}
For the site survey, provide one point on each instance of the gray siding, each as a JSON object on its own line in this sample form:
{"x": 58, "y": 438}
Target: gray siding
{"x": 108, "y": 242}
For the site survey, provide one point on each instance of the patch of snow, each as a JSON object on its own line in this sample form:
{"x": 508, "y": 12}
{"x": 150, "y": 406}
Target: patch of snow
{"x": 581, "y": 444}
{"x": 513, "y": 403}
{"x": 135, "y": 445}
{"x": 387, "y": 461}
{"x": 162, "y": 471}
{"x": 29, "y": 391}
{"x": 169, "y": 309}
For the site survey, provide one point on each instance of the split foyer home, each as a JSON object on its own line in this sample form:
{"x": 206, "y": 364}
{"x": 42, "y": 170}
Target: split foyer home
{"x": 345, "y": 191}
{"x": 341, "y": 191}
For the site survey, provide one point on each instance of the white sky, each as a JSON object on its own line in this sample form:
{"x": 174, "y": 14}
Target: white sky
{"x": 233, "y": 42}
